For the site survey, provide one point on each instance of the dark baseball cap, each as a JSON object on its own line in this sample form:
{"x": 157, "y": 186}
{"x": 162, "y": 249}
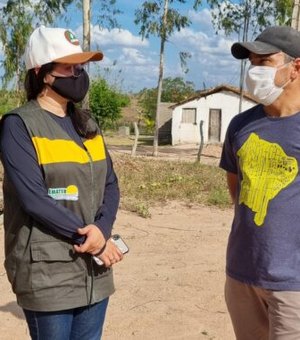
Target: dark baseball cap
{"x": 272, "y": 40}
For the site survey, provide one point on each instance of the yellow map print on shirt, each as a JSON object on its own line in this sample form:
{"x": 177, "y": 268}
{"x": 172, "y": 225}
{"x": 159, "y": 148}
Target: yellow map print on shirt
{"x": 266, "y": 171}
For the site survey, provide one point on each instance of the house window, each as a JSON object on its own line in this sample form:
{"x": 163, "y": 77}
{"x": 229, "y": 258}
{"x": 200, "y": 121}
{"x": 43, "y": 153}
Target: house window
{"x": 189, "y": 116}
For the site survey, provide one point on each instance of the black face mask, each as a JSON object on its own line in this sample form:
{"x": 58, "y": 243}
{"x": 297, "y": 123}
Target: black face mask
{"x": 72, "y": 88}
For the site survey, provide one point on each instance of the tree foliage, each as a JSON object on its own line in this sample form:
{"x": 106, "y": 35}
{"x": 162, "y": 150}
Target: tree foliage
{"x": 106, "y": 103}
{"x": 284, "y": 10}
{"x": 232, "y": 16}
{"x": 173, "y": 90}
{"x": 149, "y": 18}
{"x": 176, "y": 89}
{"x": 12, "y": 33}
{"x": 147, "y": 101}
{"x": 9, "y": 100}
{"x": 103, "y": 12}
{"x": 18, "y": 19}
{"x": 106, "y": 14}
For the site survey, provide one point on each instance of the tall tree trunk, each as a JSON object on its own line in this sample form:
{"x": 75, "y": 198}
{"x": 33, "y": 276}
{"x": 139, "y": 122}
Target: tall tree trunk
{"x": 18, "y": 69}
{"x": 86, "y": 12}
{"x": 136, "y": 139}
{"x": 296, "y": 15}
{"x": 243, "y": 61}
{"x": 160, "y": 78}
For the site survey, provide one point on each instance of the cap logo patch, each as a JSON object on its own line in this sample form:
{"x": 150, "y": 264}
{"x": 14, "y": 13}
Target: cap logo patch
{"x": 71, "y": 37}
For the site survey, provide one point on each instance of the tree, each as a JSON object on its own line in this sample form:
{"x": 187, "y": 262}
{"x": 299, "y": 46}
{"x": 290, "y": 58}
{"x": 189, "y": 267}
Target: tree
{"x": 148, "y": 102}
{"x": 86, "y": 27}
{"x": 159, "y": 19}
{"x": 284, "y": 11}
{"x": 107, "y": 17}
{"x": 296, "y": 15}
{"x": 18, "y": 18}
{"x": 86, "y": 33}
{"x": 8, "y": 101}
{"x": 173, "y": 90}
{"x": 248, "y": 16}
{"x": 106, "y": 103}
{"x": 230, "y": 15}
{"x": 13, "y": 32}
{"x": 176, "y": 89}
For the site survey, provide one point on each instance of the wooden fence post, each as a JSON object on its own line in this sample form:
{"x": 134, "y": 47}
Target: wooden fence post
{"x": 137, "y": 133}
{"x": 201, "y": 141}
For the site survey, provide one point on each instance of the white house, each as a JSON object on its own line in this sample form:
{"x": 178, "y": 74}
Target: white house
{"x": 215, "y": 107}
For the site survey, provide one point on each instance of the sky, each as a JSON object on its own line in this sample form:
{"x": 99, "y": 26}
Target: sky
{"x": 131, "y": 63}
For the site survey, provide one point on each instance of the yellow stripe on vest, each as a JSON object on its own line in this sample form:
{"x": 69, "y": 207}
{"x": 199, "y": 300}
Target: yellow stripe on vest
{"x": 62, "y": 151}
{"x": 96, "y": 148}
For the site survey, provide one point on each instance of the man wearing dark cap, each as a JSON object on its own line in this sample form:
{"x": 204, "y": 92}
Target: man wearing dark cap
{"x": 261, "y": 156}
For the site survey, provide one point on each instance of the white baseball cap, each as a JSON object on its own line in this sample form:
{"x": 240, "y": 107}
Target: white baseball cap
{"x": 59, "y": 45}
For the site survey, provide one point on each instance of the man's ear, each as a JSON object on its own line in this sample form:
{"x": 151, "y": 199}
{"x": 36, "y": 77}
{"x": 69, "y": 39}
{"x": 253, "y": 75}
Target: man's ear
{"x": 296, "y": 69}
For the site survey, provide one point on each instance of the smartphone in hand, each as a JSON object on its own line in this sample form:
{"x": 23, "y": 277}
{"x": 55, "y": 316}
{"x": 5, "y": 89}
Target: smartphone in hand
{"x": 118, "y": 241}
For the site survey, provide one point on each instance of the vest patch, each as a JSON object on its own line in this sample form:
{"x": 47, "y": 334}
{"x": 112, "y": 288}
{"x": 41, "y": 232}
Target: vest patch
{"x": 70, "y": 193}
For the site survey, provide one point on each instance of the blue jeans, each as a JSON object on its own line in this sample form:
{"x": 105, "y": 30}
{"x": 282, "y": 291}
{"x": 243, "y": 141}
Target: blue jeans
{"x": 83, "y": 323}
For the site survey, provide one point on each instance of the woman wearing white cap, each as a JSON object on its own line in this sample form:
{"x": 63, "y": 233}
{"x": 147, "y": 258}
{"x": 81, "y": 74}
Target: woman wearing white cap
{"x": 60, "y": 195}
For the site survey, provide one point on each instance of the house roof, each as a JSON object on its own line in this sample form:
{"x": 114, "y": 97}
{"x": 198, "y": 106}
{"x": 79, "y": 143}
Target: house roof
{"x": 165, "y": 112}
{"x": 220, "y": 88}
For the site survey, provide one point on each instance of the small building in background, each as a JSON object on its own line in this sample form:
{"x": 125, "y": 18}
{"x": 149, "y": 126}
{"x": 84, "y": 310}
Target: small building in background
{"x": 165, "y": 123}
{"x": 215, "y": 107}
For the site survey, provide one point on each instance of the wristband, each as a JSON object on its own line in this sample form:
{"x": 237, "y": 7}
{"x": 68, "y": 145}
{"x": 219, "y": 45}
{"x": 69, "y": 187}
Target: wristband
{"x": 100, "y": 251}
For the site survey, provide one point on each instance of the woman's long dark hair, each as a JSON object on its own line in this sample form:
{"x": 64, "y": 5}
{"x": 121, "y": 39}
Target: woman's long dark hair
{"x": 34, "y": 85}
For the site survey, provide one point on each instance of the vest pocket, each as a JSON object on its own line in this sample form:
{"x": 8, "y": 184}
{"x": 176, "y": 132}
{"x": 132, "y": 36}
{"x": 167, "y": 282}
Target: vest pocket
{"x": 55, "y": 265}
{"x": 51, "y": 251}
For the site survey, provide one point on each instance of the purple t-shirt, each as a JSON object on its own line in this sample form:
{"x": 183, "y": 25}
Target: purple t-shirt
{"x": 264, "y": 243}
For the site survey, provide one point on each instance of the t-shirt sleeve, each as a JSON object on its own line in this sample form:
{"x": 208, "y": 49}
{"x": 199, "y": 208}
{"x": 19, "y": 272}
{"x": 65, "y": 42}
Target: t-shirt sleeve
{"x": 21, "y": 167}
{"x": 228, "y": 160}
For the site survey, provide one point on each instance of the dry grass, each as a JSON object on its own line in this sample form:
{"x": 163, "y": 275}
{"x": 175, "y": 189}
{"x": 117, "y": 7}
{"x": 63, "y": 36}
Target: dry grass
{"x": 114, "y": 139}
{"x": 145, "y": 182}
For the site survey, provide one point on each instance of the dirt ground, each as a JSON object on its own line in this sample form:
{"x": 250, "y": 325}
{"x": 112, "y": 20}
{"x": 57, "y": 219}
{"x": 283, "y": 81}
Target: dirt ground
{"x": 170, "y": 284}
{"x": 210, "y": 153}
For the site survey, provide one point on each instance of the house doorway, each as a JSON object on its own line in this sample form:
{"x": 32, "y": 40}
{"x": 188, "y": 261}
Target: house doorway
{"x": 214, "y": 129}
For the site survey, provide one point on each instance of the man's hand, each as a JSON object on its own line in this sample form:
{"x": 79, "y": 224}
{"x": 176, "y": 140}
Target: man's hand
{"x": 111, "y": 254}
{"x": 94, "y": 240}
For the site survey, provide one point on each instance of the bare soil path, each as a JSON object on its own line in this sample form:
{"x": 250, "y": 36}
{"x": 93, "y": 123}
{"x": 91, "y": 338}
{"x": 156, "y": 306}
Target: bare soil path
{"x": 169, "y": 286}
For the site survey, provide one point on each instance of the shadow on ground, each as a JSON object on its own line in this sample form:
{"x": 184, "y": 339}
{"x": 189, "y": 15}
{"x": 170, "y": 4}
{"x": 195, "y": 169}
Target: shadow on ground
{"x": 14, "y": 309}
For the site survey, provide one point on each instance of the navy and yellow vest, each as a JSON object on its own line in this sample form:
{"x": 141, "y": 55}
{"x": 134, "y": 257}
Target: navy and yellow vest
{"x": 45, "y": 272}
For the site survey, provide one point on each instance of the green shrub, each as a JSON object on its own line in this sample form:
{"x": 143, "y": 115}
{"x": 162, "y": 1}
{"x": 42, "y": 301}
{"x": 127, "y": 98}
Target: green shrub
{"x": 106, "y": 103}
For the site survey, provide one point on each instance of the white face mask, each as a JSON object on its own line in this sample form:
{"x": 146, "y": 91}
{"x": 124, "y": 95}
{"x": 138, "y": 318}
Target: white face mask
{"x": 261, "y": 85}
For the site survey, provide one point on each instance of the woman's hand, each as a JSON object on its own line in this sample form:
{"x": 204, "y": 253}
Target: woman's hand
{"x": 94, "y": 240}
{"x": 111, "y": 254}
